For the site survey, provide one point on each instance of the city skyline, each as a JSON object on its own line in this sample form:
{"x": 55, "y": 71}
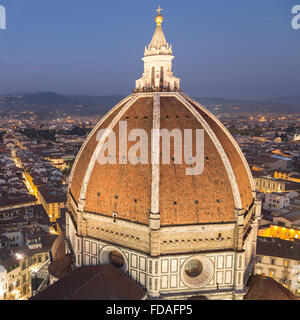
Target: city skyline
{"x": 82, "y": 51}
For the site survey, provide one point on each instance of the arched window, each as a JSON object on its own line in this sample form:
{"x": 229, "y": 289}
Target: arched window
{"x": 153, "y": 77}
{"x": 161, "y": 83}
{"x": 116, "y": 259}
{"x": 193, "y": 268}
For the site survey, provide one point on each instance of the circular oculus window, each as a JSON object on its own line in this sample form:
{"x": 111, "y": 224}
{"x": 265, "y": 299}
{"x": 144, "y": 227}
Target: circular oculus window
{"x": 193, "y": 268}
{"x": 197, "y": 271}
{"x": 116, "y": 258}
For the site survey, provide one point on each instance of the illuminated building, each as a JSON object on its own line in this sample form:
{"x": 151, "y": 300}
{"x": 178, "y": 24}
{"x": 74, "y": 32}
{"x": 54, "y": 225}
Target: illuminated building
{"x": 30, "y": 184}
{"x": 52, "y": 201}
{"x": 269, "y": 185}
{"x": 276, "y": 201}
{"x": 58, "y": 163}
{"x": 282, "y": 232}
{"x": 16, "y": 268}
{"x": 286, "y": 176}
{"x": 279, "y": 259}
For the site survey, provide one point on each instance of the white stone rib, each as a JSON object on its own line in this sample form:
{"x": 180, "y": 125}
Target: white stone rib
{"x": 230, "y": 138}
{"x": 92, "y": 162}
{"x": 155, "y": 155}
{"x": 215, "y": 140}
{"x": 92, "y": 133}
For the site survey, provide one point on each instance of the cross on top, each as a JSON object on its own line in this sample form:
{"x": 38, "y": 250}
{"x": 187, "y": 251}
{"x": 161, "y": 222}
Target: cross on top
{"x": 159, "y": 10}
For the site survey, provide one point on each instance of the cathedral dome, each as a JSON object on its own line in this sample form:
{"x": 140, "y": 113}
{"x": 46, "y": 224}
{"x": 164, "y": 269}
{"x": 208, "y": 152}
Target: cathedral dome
{"x": 130, "y": 190}
{"x": 161, "y": 190}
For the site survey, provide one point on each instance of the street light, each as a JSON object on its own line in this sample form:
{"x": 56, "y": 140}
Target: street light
{"x": 19, "y": 256}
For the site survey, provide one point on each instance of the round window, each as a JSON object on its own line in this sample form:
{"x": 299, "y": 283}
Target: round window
{"x": 116, "y": 259}
{"x": 193, "y": 268}
{"x": 197, "y": 271}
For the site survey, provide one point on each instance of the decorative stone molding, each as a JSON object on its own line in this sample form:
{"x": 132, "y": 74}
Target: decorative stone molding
{"x": 158, "y": 75}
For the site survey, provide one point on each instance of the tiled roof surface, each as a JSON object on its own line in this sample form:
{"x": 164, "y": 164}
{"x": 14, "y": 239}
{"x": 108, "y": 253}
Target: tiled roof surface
{"x": 93, "y": 283}
{"x": 126, "y": 189}
{"x": 60, "y": 267}
{"x": 265, "y": 288}
{"x": 275, "y": 247}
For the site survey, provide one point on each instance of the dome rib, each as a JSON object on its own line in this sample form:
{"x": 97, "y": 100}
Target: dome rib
{"x": 226, "y": 162}
{"x": 92, "y": 161}
{"x": 155, "y": 156}
{"x": 120, "y": 184}
{"x": 237, "y": 159}
{"x": 95, "y": 129}
{"x": 130, "y": 191}
{"x": 84, "y": 157}
{"x": 229, "y": 137}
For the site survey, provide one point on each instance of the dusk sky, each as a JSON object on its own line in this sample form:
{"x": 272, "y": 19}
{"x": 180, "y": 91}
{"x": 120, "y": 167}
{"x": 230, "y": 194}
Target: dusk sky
{"x": 232, "y": 48}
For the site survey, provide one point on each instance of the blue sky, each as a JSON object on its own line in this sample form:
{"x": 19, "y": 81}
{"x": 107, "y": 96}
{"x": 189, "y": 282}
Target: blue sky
{"x": 222, "y": 48}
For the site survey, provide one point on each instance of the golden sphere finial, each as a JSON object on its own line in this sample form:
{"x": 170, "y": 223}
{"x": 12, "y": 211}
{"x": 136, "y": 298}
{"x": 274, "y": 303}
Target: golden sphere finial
{"x": 159, "y": 18}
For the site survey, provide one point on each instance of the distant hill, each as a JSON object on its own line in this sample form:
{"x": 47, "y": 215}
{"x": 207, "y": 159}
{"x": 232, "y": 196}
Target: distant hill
{"x": 101, "y": 104}
{"x": 46, "y": 102}
{"x": 53, "y": 98}
{"x": 104, "y": 101}
{"x": 47, "y": 98}
{"x": 292, "y": 100}
{"x": 278, "y": 105}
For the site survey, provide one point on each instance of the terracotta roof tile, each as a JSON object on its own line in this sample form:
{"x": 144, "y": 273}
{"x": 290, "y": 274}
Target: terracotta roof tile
{"x": 126, "y": 189}
{"x": 93, "y": 283}
{"x": 265, "y": 288}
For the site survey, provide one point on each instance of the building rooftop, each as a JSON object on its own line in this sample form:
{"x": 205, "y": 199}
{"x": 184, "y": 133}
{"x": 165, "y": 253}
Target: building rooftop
{"x": 52, "y": 195}
{"x": 265, "y": 288}
{"x": 93, "y": 283}
{"x": 60, "y": 267}
{"x": 275, "y": 247}
{"x": 8, "y": 256}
